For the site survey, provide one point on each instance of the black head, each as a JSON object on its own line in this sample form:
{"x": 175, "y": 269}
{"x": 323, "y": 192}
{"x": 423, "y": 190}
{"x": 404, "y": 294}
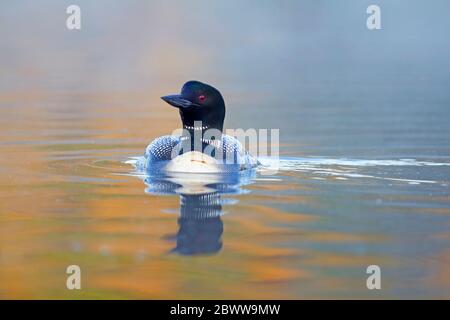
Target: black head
{"x": 199, "y": 102}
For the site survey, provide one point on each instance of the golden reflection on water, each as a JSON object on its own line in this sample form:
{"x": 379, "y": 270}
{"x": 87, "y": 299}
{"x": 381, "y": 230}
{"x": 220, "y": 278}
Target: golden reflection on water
{"x": 64, "y": 203}
{"x": 65, "y": 200}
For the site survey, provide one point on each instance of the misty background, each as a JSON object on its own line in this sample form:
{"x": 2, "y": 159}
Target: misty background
{"x": 310, "y": 68}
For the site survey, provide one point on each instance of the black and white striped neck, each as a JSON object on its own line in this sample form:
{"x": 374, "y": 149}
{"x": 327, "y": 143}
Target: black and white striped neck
{"x": 214, "y": 142}
{"x": 195, "y": 128}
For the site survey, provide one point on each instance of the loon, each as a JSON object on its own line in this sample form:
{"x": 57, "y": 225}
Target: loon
{"x": 202, "y": 147}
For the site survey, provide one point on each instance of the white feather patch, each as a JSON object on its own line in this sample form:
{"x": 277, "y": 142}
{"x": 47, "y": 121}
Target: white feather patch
{"x": 194, "y": 162}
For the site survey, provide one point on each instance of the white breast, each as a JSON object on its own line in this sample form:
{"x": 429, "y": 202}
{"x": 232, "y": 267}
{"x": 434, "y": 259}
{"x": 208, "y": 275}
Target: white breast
{"x": 193, "y": 162}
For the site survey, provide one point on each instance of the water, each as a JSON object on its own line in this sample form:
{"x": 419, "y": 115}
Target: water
{"x": 363, "y": 177}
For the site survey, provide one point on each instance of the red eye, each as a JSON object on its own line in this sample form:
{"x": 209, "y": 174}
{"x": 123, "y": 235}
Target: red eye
{"x": 201, "y": 98}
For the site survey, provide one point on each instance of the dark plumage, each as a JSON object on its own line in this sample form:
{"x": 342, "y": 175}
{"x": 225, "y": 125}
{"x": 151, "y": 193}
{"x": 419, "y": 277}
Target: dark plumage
{"x": 202, "y": 112}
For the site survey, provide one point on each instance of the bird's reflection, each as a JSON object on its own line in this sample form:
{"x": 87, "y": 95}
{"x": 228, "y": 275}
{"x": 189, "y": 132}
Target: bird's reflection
{"x": 200, "y": 225}
{"x": 200, "y": 215}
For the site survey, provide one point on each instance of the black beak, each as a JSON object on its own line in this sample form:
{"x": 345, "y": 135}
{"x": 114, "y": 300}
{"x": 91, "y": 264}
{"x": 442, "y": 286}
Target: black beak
{"x": 177, "y": 101}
